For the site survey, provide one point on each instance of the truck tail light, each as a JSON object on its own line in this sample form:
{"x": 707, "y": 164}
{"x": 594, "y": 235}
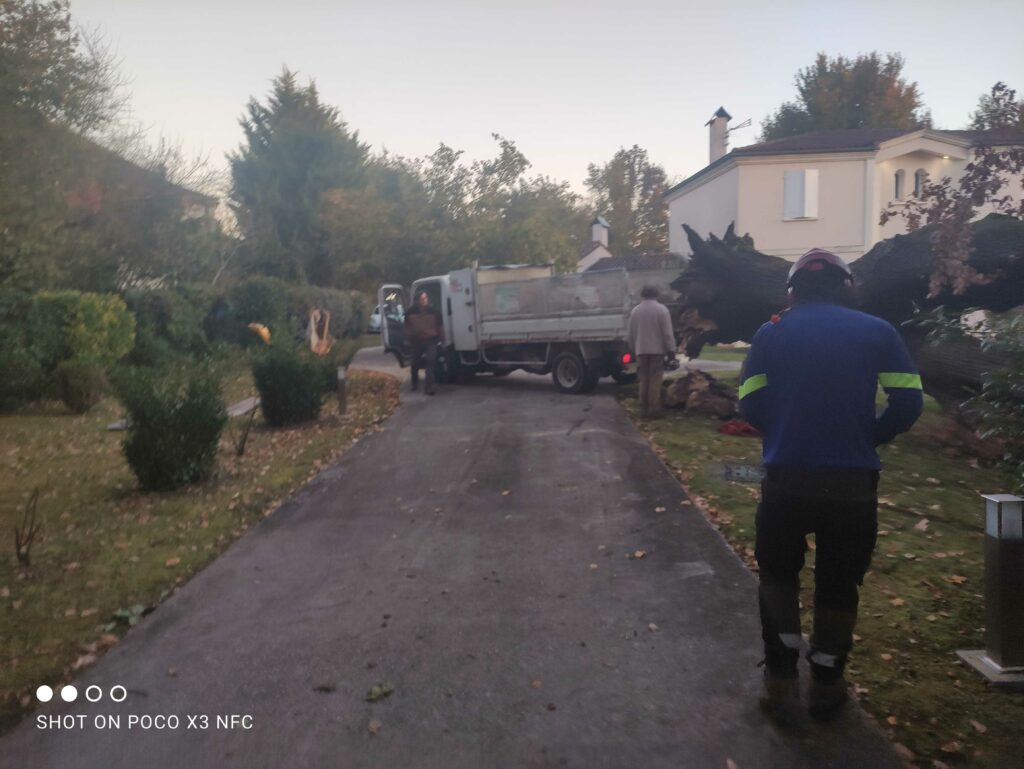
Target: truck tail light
{"x": 627, "y": 358}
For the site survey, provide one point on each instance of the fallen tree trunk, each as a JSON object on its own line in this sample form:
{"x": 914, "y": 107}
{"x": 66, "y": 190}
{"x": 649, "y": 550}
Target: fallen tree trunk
{"x": 729, "y": 289}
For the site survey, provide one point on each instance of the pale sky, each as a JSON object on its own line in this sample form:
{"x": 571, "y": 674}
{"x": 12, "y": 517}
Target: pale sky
{"x": 571, "y": 82}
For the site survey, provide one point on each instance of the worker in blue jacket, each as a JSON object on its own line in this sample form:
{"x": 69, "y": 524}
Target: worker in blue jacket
{"x": 809, "y": 385}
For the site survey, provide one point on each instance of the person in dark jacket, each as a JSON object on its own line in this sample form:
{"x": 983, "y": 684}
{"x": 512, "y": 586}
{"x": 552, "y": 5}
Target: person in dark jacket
{"x": 809, "y": 385}
{"x": 424, "y": 328}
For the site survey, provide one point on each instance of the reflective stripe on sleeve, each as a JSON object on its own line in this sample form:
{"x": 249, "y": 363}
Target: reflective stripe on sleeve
{"x": 896, "y": 379}
{"x": 753, "y": 384}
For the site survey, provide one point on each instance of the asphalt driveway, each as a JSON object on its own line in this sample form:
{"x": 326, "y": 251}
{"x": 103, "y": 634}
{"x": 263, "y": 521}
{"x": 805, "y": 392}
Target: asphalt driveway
{"x": 479, "y": 557}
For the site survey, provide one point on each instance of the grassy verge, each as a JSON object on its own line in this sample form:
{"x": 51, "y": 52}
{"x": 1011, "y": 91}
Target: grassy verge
{"x": 106, "y": 552}
{"x": 723, "y": 353}
{"x": 923, "y": 598}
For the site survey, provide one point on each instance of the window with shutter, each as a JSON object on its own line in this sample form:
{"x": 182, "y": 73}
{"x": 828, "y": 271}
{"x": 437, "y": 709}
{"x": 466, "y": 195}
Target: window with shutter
{"x": 800, "y": 194}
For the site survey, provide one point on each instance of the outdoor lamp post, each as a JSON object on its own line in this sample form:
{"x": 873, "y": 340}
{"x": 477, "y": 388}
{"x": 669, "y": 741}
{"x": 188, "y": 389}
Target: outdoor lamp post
{"x": 1002, "y": 660}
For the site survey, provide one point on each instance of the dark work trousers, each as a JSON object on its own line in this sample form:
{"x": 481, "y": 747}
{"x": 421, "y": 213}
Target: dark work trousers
{"x": 840, "y": 506}
{"x": 424, "y": 354}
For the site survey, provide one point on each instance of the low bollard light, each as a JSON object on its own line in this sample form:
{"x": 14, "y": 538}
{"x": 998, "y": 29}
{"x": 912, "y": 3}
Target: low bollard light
{"x": 1002, "y": 660}
{"x": 342, "y": 395}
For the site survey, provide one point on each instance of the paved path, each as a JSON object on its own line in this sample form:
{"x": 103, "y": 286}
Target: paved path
{"x": 514, "y": 627}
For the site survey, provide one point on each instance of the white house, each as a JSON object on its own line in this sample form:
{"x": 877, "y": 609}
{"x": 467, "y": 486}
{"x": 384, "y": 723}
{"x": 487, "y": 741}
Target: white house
{"x": 823, "y": 189}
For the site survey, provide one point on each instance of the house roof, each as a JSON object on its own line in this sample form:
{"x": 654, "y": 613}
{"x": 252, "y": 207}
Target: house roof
{"x": 600, "y": 220}
{"x": 852, "y": 140}
{"x": 638, "y": 262}
{"x": 587, "y": 248}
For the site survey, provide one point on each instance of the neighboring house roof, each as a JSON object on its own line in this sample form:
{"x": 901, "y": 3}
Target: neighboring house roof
{"x": 853, "y": 140}
{"x": 636, "y": 262}
{"x": 588, "y": 248}
{"x": 601, "y": 220}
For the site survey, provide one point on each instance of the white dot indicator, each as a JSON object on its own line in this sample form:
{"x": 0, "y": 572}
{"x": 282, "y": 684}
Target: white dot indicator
{"x": 69, "y": 693}
{"x": 44, "y": 693}
{"x": 115, "y": 698}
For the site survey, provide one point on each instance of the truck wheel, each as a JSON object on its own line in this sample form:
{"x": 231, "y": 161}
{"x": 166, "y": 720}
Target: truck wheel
{"x": 622, "y": 378}
{"x": 569, "y": 372}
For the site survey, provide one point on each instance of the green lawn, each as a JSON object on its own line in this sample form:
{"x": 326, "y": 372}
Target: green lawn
{"x": 923, "y": 598}
{"x": 723, "y": 353}
{"x": 107, "y": 551}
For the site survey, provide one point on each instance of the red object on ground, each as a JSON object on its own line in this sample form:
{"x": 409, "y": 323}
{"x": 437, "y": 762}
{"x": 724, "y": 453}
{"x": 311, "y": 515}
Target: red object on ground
{"x": 740, "y": 428}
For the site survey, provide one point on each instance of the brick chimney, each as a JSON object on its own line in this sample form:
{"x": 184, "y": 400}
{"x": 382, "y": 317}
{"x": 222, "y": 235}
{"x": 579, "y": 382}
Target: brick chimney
{"x": 719, "y": 134}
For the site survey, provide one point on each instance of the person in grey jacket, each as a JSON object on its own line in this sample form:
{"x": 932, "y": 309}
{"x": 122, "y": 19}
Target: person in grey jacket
{"x": 651, "y": 340}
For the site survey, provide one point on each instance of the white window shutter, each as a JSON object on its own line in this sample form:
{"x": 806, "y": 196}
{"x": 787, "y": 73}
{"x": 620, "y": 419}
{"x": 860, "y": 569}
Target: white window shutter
{"x": 793, "y": 205}
{"x": 811, "y": 193}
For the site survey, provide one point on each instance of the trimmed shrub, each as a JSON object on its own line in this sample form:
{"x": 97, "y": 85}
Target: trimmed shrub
{"x": 66, "y": 325}
{"x": 260, "y": 300}
{"x": 174, "y": 425}
{"x": 350, "y": 310}
{"x": 81, "y": 385}
{"x": 292, "y": 384}
{"x": 23, "y": 378}
{"x": 168, "y": 325}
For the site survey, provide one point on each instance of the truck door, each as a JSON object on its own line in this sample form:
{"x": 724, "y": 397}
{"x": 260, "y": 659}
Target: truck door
{"x": 391, "y": 298}
{"x": 462, "y": 295}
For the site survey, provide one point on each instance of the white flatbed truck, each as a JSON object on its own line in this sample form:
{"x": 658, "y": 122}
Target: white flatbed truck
{"x": 499, "y": 319}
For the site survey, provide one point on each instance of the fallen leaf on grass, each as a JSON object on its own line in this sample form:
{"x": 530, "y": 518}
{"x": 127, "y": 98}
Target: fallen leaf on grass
{"x": 955, "y": 579}
{"x": 374, "y": 726}
{"x": 71, "y": 566}
{"x": 379, "y": 692}
{"x": 951, "y": 747}
{"x": 979, "y": 727}
{"x": 85, "y": 659}
{"x": 897, "y": 602}
{"x": 886, "y": 657}
{"x": 922, "y": 525}
{"x": 892, "y": 720}
{"x": 903, "y": 751}
{"x": 172, "y": 562}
